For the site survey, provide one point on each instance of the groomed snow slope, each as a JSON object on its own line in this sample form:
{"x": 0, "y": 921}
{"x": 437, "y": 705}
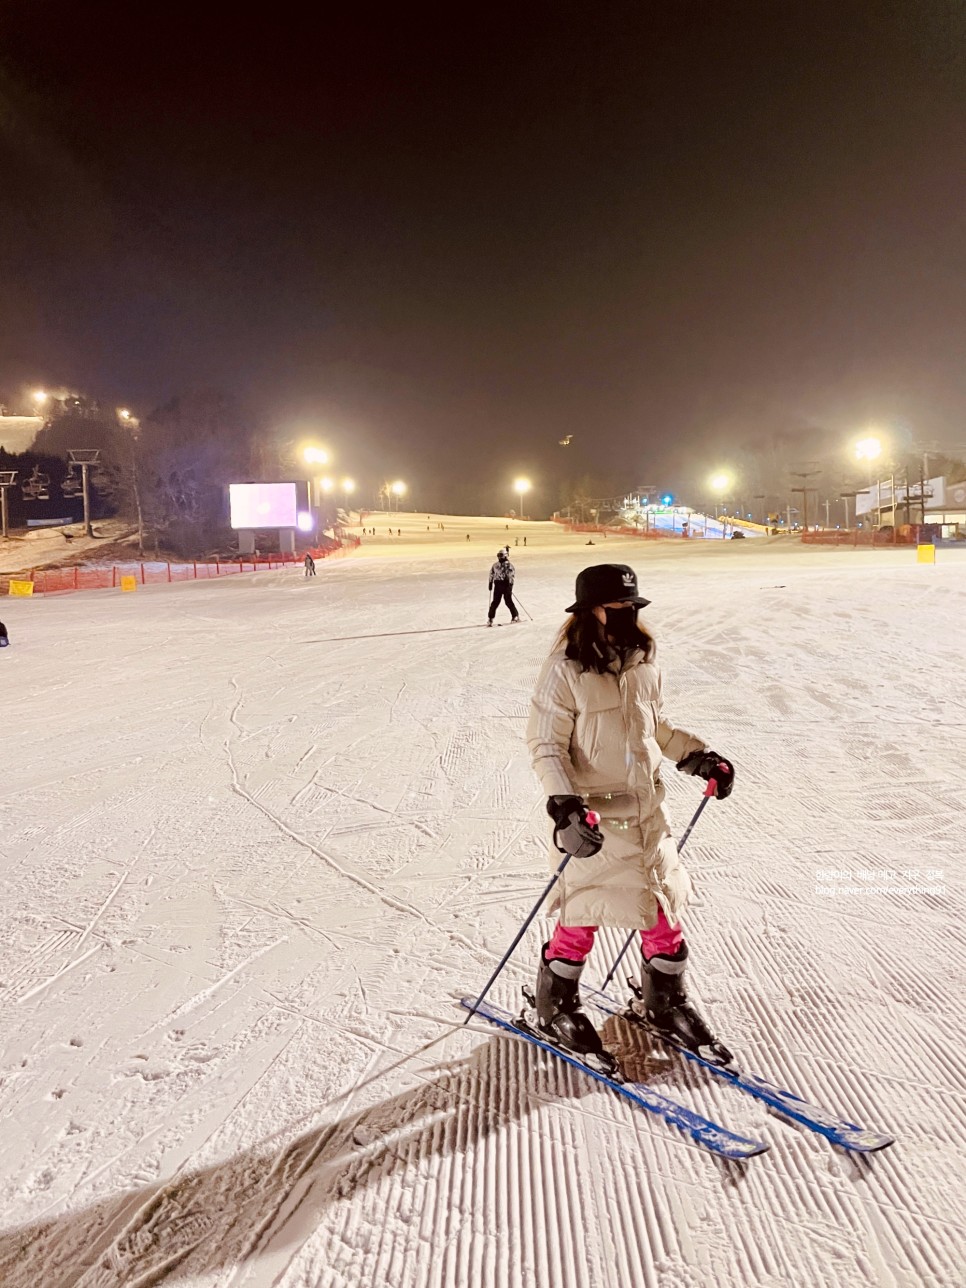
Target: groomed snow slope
{"x": 257, "y": 835}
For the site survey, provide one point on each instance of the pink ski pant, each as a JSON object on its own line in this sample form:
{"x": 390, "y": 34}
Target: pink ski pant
{"x": 575, "y": 942}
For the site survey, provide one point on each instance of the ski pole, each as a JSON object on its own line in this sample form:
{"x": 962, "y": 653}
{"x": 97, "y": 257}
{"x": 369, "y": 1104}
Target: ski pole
{"x": 709, "y": 791}
{"x": 523, "y": 606}
{"x": 593, "y": 819}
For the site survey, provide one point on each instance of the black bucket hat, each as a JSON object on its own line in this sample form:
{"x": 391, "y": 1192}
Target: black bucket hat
{"x": 607, "y": 584}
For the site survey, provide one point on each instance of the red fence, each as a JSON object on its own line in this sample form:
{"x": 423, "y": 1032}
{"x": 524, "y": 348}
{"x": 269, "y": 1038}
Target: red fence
{"x": 148, "y": 572}
{"x": 906, "y": 535}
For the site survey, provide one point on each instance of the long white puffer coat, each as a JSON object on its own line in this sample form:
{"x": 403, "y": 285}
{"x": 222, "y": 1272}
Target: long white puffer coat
{"x": 603, "y": 737}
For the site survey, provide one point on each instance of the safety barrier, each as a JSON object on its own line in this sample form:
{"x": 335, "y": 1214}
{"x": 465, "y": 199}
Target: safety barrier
{"x": 906, "y": 535}
{"x": 148, "y": 572}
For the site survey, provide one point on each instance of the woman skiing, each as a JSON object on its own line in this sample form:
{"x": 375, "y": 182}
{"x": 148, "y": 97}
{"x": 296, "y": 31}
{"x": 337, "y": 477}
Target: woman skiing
{"x": 501, "y": 585}
{"x": 597, "y": 737}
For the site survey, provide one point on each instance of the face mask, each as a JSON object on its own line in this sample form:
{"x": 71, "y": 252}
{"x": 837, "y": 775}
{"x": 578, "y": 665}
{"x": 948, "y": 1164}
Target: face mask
{"x": 621, "y": 626}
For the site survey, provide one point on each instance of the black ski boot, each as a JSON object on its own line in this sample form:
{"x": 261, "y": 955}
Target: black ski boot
{"x": 561, "y": 1019}
{"x": 662, "y": 1002}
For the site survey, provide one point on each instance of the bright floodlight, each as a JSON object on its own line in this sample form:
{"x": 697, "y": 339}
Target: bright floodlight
{"x": 348, "y": 485}
{"x": 398, "y": 488}
{"x": 39, "y": 396}
{"x": 522, "y": 485}
{"x": 316, "y": 456}
{"x": 124, "y": 414}
{"x": 304, "y": 521}
{"x": 326, "y": 485}
{"x": 720, "y": 482}
{"x": 868, "y": 449}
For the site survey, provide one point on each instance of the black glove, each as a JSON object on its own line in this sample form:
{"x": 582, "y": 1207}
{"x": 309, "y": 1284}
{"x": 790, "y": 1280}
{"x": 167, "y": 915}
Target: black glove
{"x": 572, "y": 834}
{"x": 711, "y": 767}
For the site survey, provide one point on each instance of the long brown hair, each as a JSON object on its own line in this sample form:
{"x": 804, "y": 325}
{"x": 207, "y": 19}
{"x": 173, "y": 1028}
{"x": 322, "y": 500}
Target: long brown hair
{"x": 583, "y": 640}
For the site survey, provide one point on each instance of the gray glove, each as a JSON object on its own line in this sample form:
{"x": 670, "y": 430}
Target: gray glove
{"x": 573, "y": 832}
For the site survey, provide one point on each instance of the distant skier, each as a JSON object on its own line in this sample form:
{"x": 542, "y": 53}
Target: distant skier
{"x": 309, "y": 565}
{"x": 597, "y": 735}
{"x": 4, "y": 637}
{"x": 501, "y": 584}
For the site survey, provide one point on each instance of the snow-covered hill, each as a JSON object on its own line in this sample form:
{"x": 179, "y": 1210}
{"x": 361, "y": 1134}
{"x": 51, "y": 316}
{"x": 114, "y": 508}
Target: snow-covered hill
{"x": 256, "y": 836}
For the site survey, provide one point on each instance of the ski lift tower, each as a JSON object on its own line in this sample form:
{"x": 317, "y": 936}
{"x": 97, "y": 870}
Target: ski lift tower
{"x": 85, "y": 458}
{"x": 7, "y": 480}
{"x": 811, "y": 470}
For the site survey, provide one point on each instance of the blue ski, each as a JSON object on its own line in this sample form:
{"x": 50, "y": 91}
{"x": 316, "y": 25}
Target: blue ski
{"x": 838, "y": 1130}
{"x": 708, "y": 1134}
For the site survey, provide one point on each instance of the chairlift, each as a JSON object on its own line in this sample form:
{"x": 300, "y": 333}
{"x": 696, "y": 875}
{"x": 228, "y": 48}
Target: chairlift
{"x": 72, "y": 485}
{"x": 37, "y": 487}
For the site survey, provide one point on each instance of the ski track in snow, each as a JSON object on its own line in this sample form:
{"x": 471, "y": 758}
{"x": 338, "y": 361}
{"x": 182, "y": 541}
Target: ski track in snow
{"x": 254, "y": 842}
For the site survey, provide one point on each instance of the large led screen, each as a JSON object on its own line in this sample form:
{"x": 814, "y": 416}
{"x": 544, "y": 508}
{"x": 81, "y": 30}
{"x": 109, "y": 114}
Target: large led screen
{"x": 262, "y": 505}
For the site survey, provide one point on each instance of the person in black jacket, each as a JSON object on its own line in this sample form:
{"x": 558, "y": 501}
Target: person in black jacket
{"x": 4, "y": 639}
{"x": 501, "y": 584}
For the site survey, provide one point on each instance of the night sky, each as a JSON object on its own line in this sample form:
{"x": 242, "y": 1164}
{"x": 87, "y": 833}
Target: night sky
{"x": 447, "y": 238}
